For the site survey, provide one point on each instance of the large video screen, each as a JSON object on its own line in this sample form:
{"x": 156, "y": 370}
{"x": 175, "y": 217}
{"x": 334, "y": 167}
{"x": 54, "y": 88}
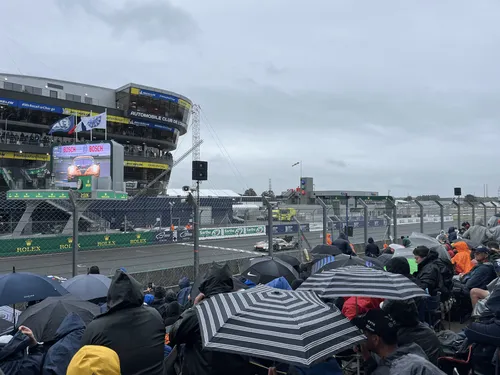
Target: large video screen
{"x": 86, "y": 159}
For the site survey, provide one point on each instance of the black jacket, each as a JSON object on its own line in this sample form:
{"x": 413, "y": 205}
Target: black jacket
{"x": 186, "y": 332}
{"x": 428, "y": 275}
{"x": 134, "y": 331}
{"x": 372, "y": 249}
{"x": 447, "y": 272}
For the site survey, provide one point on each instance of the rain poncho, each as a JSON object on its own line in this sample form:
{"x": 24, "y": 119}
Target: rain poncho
{"x": 477, "y": 234}
{"x": 364, "y": 304}
{"x": 94, "y": 360}
{"x": 462, "y": 260}
{"x": 494, "y": 228}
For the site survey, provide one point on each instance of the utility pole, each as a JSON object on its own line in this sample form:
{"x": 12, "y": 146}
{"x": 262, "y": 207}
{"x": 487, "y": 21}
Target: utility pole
{"x": 195, "y": 128}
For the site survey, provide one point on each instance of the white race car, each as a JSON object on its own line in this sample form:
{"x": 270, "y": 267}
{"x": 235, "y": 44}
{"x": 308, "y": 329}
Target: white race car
{"x": 278, "y": 244}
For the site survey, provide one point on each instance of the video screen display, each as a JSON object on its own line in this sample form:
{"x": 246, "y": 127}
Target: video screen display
{"x": 71, "y": 161}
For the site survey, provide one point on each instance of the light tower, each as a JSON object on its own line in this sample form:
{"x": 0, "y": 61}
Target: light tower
{"x": 195, "y": 128}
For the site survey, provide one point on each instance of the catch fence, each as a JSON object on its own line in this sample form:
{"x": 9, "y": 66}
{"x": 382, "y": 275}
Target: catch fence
{"x": 155, "y": 235}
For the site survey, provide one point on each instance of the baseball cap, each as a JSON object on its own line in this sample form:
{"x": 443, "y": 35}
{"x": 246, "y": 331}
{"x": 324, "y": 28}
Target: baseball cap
{"x": 482, "y": 249}
{"x": 379, "y": 323}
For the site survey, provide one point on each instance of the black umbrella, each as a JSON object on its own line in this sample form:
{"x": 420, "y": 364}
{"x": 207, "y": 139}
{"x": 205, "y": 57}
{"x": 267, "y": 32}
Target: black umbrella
{"x": 278, "y": 325}
{"x": 88, "y": 287}
{"x": 381, "y": 261}
{"x": 294, "y": 262}
{"x": 342, "y": 260}
{"x": 20, "y": 287}
{"x": 265, "y": 269}
{"x": 44, "y": 318}
{"x": 326, "y": 249}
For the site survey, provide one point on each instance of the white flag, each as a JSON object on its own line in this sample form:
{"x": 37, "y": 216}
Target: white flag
{"x": 92, "y": 122}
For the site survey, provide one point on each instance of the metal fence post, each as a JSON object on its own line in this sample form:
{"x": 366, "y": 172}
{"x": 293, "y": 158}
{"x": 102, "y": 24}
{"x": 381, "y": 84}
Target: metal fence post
{"x": 394, "y": 218}
{"x": 196, "y": 234}
{"x": 473, "y": 206}
{"x": 269, "y": 226}
{"x": 485, "y": 212}
{"x": 325, "y": 218}
{"x": 457, "y": 205}
{"x": 76, "y": 218}
{"x": 301, "y": 233}
{"x": 365, "y": 222}
{"x": 441, "y": 213}
{"x": 421, "y": 206}
{"x": 495, "y": 206}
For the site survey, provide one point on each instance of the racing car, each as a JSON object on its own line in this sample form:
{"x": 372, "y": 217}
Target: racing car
{"x": 83, "y": 166}
{"x": 286, "y": 243}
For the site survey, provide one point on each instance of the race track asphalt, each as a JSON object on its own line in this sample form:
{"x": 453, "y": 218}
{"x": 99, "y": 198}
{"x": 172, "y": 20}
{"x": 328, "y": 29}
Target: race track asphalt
{"x": 170, "y": 256}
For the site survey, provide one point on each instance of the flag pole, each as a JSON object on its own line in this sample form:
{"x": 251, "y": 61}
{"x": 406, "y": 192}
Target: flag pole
{"x": 91, "y": 129}
{"x": 76, "y": 124}
{"x": 106, "y": 128}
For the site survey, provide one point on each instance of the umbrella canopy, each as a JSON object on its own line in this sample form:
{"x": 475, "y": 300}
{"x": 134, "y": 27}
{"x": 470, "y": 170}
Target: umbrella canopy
{"x": 7, "y": 317}
{"x": 45, "y": 317}
{"x": 326, "y": 249}
{"x": 265, "y": 269}
{"x": 380, "y": 261}
{"x": 342, "y": 260}
{"x": 362, "y": 282}
{"x": 20, "y": 287}
{"x": 88, "y": 287}
{"x": 420, "y": 239}
{"x": 279, "y": 325}
{"x": 291, "y": 260}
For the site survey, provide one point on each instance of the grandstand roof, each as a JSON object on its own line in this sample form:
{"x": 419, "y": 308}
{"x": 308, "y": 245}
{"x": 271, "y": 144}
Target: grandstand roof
{"x": 205, "y": 193}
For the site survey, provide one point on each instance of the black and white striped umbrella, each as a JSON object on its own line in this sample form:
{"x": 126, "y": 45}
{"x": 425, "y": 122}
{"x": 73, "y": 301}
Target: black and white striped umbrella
{"x": 361, "y": 282}
{"x": 280, "y": 325}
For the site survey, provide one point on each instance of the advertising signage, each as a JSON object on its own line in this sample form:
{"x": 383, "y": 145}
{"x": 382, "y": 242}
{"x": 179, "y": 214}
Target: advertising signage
{"x": 159, "y": 118}
{"x": 31, "y": 105}
{"x": 151, "y": 125}
{"x": 86, "y": 159}
{"x": 159, "y": 95}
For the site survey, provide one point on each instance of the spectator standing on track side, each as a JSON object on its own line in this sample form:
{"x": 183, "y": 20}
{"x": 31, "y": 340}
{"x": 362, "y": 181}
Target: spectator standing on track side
{"x": 372, "y": 249}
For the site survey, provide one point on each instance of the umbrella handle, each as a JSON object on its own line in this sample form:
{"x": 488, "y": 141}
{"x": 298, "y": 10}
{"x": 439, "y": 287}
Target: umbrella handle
{"x": 267, "y": 368}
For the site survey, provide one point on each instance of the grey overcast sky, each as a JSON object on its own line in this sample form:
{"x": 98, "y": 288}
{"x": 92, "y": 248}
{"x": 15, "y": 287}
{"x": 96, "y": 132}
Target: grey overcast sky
{"x": 370, "y": 95}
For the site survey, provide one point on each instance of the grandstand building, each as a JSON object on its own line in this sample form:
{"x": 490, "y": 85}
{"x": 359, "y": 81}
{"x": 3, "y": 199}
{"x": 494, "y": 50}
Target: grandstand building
{"x": 147, "y": 121}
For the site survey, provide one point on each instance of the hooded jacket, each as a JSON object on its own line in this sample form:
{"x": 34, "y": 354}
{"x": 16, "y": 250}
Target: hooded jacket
{"x": 134, "y": 331}
{"x": 186, "y": 332}
{"x": 493, "y": 232}
{"x": 409, "y": 360}
{"x": 412, "y": 330}
{"x": 372, "y": 249}
{"x": 478, "y": 233}
{"x": 94, "y": 360}
{"x": 355, "y": 306}
{"x": 461, "y": 260}
{"x": 69, "y": 335}
{"x": 428, "y": 275}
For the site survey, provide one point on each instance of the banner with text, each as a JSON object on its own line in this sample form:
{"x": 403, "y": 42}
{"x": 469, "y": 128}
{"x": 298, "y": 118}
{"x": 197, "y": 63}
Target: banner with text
{"x": 232, "y": 232}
